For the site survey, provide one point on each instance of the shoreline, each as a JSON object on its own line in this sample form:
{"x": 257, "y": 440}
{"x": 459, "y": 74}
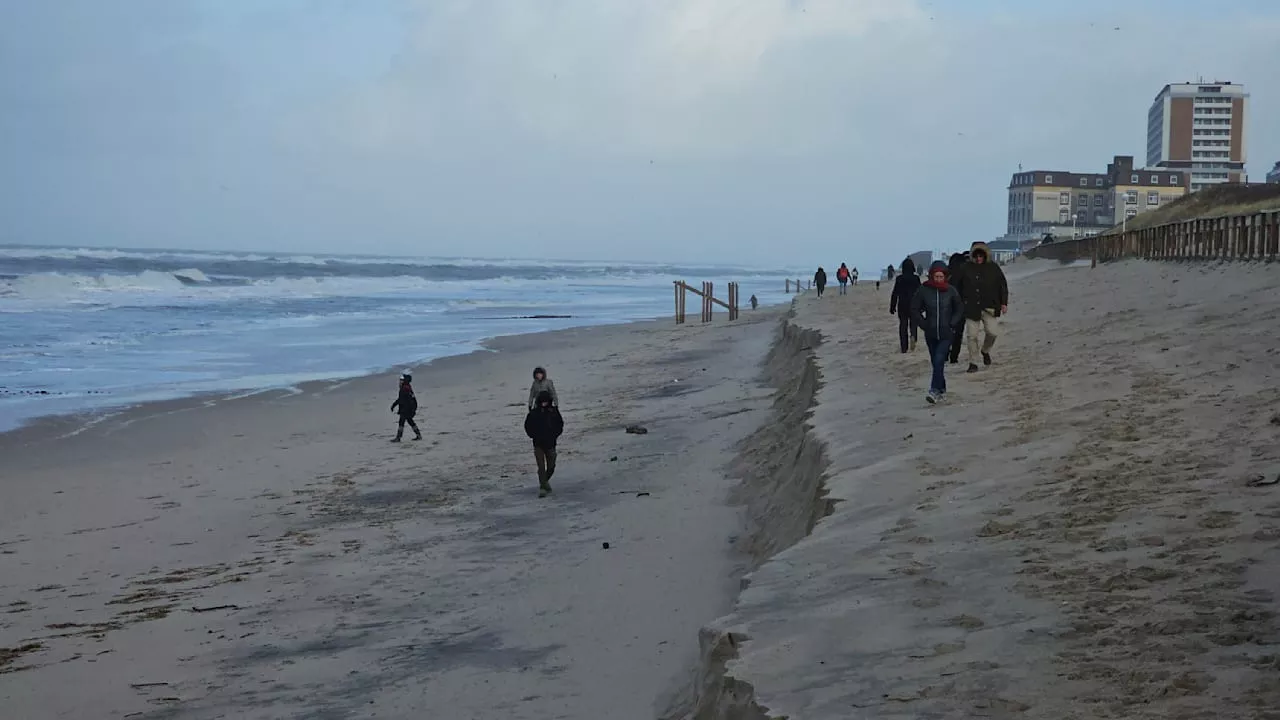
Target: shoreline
{"x": 58, "y": 422}
{"x": 273, "y": 556}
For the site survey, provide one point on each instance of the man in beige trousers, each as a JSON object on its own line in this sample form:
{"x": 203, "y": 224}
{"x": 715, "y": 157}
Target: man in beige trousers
{"x": 985, "y": 292}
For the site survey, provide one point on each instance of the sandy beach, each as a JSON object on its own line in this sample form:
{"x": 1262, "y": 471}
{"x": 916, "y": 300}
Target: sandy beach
{"x": 273, "y": 556}
{"x": 1086, "y": 529}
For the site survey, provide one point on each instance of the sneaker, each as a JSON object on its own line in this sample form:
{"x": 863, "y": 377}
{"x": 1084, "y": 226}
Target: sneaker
{"x": 986, "y": 358}
{"x": 418, "y": 436}
{"x": 395, "y": 439}
{"x": 543, "y": 492}
{"x": 932, "y": 398}
{"x": 972, "y": 368}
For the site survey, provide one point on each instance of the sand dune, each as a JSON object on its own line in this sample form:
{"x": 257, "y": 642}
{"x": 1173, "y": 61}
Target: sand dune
{"x": 1079, "y": 532}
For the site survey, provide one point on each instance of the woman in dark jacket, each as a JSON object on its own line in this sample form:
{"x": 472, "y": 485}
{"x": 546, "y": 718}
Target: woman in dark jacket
{"x": 904, "y": 288}
{"x": 937, "y": 309}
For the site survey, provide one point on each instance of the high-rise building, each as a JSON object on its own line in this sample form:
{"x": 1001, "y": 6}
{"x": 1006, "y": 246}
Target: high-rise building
{"x": 1274, "y": 175}
{"x": 1198, "y": 129}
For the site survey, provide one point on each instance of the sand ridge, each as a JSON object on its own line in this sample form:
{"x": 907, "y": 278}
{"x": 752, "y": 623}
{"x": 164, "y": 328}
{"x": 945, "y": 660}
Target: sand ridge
{"x": 1075, "y": 533}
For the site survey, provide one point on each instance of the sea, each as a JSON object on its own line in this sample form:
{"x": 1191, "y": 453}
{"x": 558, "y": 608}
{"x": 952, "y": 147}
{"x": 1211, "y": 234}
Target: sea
{"x": 88, "y": 330}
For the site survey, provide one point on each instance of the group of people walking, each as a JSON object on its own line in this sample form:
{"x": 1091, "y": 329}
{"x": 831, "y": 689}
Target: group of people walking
{"x": 964, "y": 297}
{"x": 844, "y": 275}
{"x": 543, "y": 424}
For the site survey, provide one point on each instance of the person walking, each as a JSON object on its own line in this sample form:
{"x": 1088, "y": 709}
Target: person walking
{"x": 754, "y": 302}
{"x": 985, "y": 292}
{"x": 544, "y": 425}
{"x": 937, "y": 309}
{"x": 542, "y": 383}
{"x": 842, "y": 276}
{"x": 406, "y": 405}
{"x": 904, "y": 289}
{"x": 820, "y": 280}
{"x": 853, "y": 276}
{"x": 889, "y": 273}
{"x": 954, "y": 265}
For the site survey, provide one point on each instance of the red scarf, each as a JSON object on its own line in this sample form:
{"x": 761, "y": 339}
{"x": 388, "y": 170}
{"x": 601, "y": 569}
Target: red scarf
{"x": 939, "y": 286}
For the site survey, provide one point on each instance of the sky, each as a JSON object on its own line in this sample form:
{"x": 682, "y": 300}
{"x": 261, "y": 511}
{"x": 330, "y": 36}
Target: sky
{"x": 783, "y": 132}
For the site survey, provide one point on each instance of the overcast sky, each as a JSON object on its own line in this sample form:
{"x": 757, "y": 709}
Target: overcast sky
{"x": 762, "y": 131}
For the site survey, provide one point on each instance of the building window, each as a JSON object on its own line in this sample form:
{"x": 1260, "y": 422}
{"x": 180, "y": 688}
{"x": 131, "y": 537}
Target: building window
{"x": 1133, "y": 179}
{"x": 1131, "y": 212}
{"x": 1131, "y": 197}
{"x": 1048, "y": 179}
{"x": 1097, "y": 200}
{"x": 1155, "y": 179}
{"x": 1097, "y": 182}
{"x": 1064, "y": 198}
{"x": 1153, "y": 198}
{"x": 1173, "y": 179}
{"x": 1084, "y": 182}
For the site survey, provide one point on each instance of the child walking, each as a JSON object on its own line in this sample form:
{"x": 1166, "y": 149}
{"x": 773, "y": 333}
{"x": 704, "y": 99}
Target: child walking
{"x": 542, "y": 383}
{"x": 406, "y": 405}
{"x": 544, "y": 425}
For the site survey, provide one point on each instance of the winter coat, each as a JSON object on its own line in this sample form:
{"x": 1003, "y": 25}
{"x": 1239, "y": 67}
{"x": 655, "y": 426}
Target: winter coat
{"x": 820, "y": 278}
{"x": 541, "y": 386}
{"x": 982, "y": 286}
{"x": 407, "y": 402}
{"x": 544, "y": 426}
{"x": 904, "y": 289}
{"x": 937, "y": 312}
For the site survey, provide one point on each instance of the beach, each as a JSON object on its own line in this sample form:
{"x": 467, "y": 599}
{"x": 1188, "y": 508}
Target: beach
{"x": 1087, "y": 529}
{"x": 271, "y": 555}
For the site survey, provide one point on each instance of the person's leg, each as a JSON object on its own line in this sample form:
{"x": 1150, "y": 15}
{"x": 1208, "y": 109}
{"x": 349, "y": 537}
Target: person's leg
{"x": 971, "y": 330}
{"x": 551, "y": 462}
{"x": 938, "y": 356}
{"x": 904, "y": 321}
{"x": 540, "y": 456}
{"x": 417, "y": 434}
{"x": 991, "y": 327}
{"x": 915, "y": 334}
{"x": 932, "y": 344}
{"x": 399, "y": 430}
{"x": 957, "y": 342}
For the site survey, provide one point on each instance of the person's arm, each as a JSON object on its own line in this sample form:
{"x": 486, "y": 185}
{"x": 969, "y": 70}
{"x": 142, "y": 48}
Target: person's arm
{"x": 917, "y": 309}
{"x": 551, "y": 387}
{"x": 533, "y": 393}
{"x": 893, "y": 297}
{"x": 1004, "y": 292}
{"x": 528, "y": 425}
{"x": 395, "y": 405}
{"x": 557, "y": 424}
{"x": 957, "y": 309}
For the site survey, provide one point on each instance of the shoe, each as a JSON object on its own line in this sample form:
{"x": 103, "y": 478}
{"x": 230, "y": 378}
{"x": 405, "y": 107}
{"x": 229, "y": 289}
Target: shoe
{"x": 395, "y": 439}
{"x": 986, "y": 358}
{"x": 931, "y": 398}
{"x": 418, "y": 436}
{"x": 543, "y": 492}
{"x": 913, "y": 346}
{"x": 972, "y": 368}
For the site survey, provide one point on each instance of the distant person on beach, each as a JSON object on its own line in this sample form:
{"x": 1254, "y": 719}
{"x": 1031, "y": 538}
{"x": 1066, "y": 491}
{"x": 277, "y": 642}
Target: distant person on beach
{"x": 985, "y": 291}
{"x": 937, "y": 309}
{"x": 542, "y": 383}
{"x": 853, "y": 276}
{"x": 842, "y": 276}
{"x": 904, "y": 290}
{"x": 544, "y": 425}
{"x": 891, "y": 272}
{"x": 820, "y": 280}
{"x": 954, "y": 265}
{"x": 406, "y": 405}
{"x": 754, "y": 302}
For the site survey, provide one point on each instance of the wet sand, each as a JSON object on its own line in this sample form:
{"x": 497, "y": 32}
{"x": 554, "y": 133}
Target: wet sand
{"x": 274, "y": 556}
{"x": 1076, "y": 533}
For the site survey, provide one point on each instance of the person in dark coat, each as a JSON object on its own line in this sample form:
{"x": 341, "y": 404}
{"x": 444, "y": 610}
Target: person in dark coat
{"x": 544, "y": 425}
{"x": 406, "y": 405}
{"x": 954, "y": 265}
{"x": 904, "y": 289}
{"x": 820, "y": 280}
{"x": 985, "y": 291}
{"x": 937, "y": 309}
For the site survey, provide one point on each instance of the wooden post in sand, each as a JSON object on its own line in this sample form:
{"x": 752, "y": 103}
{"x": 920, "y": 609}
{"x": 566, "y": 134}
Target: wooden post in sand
{"x": 679, "y": 286}
{"x": 709, "y": 300}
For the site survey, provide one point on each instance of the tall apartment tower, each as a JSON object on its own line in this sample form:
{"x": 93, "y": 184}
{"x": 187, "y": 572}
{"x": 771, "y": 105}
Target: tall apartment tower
{"x": 1198, "y": 130}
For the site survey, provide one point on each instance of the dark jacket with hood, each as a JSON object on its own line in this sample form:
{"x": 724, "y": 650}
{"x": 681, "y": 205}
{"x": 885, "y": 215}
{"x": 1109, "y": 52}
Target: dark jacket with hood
{"x": 937, "y": 310}
{"x": 407, "y": 402}
{"x": 904, "y": 288}
{"x": 544, "y": 425}
{"x": 981, "y": 285}
{"x": 820, "y": 278}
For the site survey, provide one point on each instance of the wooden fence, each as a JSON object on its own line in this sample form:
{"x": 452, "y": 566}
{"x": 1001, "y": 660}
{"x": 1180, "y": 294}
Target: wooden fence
{"x": 709, "y": 300}
{"x": 798, "y": 287}
{"x": 1254, "y": 236}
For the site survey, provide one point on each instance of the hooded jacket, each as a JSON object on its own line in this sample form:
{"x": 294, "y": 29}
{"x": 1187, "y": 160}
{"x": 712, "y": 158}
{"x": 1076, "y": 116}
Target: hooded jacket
{"x": 904, "y": 288}
{"x": 406, "y": 402}
{"x": 544, "y": 425}
{"x": 541, "y": 386}
{"x": 982, "y": 286}
{"x": 820, "y": 278}
{"x": 937, "y": 311}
